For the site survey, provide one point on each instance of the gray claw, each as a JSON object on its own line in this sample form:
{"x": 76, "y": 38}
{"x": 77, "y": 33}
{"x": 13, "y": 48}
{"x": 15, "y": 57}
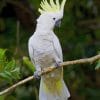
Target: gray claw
{"x": 57, "y": 64}
{"x": 37, "y": 74}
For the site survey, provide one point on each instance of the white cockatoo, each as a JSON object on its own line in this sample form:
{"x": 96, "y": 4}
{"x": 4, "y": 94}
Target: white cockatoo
{"x": 45, "y": 50}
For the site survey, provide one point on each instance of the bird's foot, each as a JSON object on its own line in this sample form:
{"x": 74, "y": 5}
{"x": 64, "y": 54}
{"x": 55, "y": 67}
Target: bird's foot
{"x": 58, "y": 64}
{"x": 37, "y": 74}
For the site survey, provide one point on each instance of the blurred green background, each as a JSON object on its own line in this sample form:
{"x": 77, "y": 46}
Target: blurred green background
{"x": 79, "y": 35}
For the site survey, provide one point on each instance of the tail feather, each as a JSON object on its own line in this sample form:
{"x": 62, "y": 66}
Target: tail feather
{"x": 44, "y": 94}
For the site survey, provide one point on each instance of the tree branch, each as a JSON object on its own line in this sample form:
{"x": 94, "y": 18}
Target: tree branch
{"x": 49, "y": 69}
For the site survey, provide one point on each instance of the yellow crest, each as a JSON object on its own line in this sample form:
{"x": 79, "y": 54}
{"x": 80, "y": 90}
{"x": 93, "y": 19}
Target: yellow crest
{"x": 52, "y": 7}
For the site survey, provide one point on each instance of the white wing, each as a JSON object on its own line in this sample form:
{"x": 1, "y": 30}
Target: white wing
{"x": 57, "y": 47}
{"x": 31, "y": 54}
{"x": 31, "y": 51}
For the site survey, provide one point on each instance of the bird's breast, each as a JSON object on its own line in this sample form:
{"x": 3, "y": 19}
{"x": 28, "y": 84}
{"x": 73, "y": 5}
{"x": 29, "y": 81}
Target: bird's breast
{"x": 44, "y": 59}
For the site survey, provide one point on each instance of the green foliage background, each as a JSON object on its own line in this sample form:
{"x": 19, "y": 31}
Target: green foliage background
{"x": 79, "y": 35}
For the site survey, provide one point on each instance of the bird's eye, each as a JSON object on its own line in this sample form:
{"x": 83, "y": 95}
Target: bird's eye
{"x": 54, "y": 18}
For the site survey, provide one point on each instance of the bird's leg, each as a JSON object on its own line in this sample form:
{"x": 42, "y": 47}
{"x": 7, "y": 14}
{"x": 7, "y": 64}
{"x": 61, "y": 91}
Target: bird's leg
{"x": 37, "y": 73}
{"x": 58, "y": 63}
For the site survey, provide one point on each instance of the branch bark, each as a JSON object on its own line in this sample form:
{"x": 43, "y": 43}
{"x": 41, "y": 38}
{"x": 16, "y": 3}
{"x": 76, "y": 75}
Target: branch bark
{"x": 49, "y": 69}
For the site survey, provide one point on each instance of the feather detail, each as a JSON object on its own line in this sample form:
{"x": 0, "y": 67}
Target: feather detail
{"x": 59, "y": 92}
{"x": 52, "y": 7}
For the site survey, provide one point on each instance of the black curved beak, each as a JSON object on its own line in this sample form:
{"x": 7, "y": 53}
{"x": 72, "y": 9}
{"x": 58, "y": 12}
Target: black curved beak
{"x": 58, "y": 23}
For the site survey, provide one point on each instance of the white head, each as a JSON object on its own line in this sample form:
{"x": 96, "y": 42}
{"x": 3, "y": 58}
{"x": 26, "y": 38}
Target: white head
{"x": 51, "y": 14}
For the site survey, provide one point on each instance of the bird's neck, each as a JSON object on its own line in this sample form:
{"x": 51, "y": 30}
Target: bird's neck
{"x": 43, "y": 27}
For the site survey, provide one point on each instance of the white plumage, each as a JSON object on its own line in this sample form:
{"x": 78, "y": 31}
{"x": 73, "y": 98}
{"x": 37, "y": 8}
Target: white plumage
{"x": 44, "y": 51}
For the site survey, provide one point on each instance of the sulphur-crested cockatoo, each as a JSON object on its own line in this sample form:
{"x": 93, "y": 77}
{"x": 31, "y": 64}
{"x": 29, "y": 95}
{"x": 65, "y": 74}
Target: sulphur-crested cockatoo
{"x": 45, "y": 50}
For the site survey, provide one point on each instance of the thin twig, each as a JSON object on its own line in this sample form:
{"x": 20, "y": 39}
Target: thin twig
{"x": 49, "y": 69}
{"x": 16, "y": 85}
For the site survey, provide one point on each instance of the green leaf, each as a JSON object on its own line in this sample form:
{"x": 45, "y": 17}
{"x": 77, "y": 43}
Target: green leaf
{"x": 2, "y": 97}
{"x": 10, "y": 65}
{"x": 6, "y": 77}
{"x": 2, "y": 54}
{"x": 28, "y": 64}
{"x": 9, "y": 69}
{"x": 16, "y": 73}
